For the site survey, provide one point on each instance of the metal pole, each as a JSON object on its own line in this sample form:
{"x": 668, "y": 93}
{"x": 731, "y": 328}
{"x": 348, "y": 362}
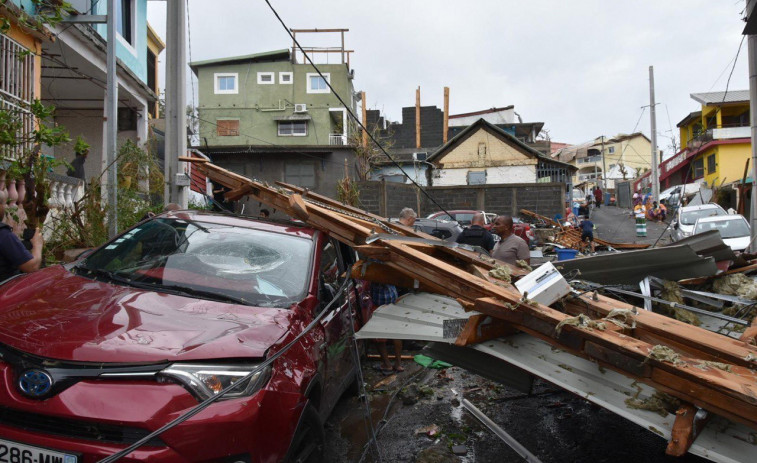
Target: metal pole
{"x": 111, "y": 122}
{"x": 176, "y": 102}
{"x": 752, "y": 47}
{"x": 604, "y": 169}
{"x": 655, "y": 166}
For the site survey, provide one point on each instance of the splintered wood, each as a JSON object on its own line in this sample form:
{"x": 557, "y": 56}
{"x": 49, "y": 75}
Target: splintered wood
{"x": 705, "y": 369}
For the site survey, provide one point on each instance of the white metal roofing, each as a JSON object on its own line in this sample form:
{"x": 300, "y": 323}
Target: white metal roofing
{"x": 421, "y": 316}
{"x": 733, "y": 96}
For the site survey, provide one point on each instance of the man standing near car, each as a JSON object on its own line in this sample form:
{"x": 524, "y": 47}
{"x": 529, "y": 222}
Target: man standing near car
{"x": 14, "y": 257}
{"x": 476, "y": 234}
{"x": 511, "y": 248}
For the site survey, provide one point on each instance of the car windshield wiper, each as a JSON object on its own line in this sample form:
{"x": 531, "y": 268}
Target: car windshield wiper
{"x": 187, "y": 291}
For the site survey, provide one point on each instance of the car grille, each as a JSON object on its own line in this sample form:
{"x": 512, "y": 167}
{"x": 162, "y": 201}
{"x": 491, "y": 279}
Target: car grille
{"x": 77, "y": 429}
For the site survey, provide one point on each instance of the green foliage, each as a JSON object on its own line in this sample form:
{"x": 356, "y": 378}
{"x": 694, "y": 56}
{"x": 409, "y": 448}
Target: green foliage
{"x": 86, "y": 224}
{"x": 81, "y": 147}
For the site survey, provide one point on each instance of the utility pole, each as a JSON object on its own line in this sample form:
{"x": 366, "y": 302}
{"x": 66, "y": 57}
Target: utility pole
{"x": 111, "y": 122}
{"x": 176, "y": 103}
{"x": 653, "y": 120}
{"x": 752, "y": 47}
{"x": 604, "y": 172}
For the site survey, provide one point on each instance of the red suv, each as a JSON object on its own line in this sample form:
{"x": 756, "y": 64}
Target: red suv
{"x": 98, "y": 354}
{"x": 464, "y": 217}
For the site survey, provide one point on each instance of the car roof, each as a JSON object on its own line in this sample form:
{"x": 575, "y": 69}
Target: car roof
{"x": 287, "y": 227}
{"x": 699, "y": 207}
{"x": 721, "y": 218}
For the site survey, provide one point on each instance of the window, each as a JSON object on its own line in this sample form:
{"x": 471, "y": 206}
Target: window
{"x": 17, "y": 94}
{"x": 125, "y": 19}
{"x": 611, "y": 150}
{"x": 227, "y": 127}
{"x": 477, "y": 178}
{"x": 317, "y": 84}
{"x": 293, "y": 128}
{"x": 711, "y": 166}
{"x": 226, "y": 83}
{"x": 265, "y": 78}
{"x": 698, "y": 168}
{"x": 285, "y": 77}
{"x": 301, "y": 174}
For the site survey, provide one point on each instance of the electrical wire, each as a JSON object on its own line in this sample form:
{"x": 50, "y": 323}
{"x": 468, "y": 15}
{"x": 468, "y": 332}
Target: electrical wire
{"x": 208, "y": 402}
{"x": 349, "y": 110}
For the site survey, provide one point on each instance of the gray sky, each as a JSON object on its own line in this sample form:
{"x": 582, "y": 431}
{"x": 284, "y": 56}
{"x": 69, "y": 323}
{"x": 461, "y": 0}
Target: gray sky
{"x": 579, "y": 66}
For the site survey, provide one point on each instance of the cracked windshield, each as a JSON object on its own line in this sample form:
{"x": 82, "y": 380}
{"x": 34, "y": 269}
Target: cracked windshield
{"x": 206, "y": 260}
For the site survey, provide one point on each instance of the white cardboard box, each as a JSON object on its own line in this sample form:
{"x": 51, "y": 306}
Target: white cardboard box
{"x": 544, "y": 285}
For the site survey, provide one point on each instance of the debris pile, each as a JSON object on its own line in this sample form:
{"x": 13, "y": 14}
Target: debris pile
{"x": 649, "y": 348}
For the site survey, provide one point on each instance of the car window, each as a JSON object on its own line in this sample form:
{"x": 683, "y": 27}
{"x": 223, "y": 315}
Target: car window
{"x": 731, "y": 228}
{"x": 691, "y": 217}
{"x": 256, "y": 267}
{"x": 464, "y": 218}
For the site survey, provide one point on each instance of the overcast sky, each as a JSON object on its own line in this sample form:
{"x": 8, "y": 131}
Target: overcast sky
{"x": 579, "y": 66}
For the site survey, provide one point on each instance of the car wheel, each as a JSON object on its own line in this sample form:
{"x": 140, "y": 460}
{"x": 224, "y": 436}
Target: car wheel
{"x": 307, "y": 445}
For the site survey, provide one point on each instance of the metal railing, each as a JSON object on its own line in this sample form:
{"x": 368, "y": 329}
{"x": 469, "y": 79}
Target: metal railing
{"x": 17, "y": 92}
{"x": 335, "y": 139}
{"x": 589, "y": 159}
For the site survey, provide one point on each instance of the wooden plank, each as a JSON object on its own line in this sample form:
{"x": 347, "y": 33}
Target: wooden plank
{"x": 481, "y": 328}
{"x": 299, "y": 208}
{"x": 686, "y": 428}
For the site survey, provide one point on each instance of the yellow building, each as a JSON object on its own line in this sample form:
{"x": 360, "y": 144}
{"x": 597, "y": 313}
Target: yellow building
{"x": 21, "y": 60}
{"x": 155, "y": 45}
{"x": 624, "y": 156}
{"x": 716, "y": 141}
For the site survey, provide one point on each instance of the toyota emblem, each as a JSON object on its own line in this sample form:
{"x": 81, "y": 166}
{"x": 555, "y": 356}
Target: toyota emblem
{"x": 35, "y": 383}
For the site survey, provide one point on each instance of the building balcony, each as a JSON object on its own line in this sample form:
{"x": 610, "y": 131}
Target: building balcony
{"x": 337, "y": 139}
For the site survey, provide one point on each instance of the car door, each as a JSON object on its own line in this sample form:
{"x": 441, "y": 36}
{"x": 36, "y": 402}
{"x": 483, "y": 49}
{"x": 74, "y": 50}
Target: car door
{"x": 335, "y": 351}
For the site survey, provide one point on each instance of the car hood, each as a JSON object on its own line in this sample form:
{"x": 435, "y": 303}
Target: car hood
{"x": 739, "y": 243}
{"x": 56, "y": 314}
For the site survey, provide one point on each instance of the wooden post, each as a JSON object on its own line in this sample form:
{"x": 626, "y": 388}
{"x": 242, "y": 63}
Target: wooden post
{"x": 365, "y": 121}
{"x": 418, "y": 117}
{"x": 346, "y": 169}
{"x": 446, "y": 114}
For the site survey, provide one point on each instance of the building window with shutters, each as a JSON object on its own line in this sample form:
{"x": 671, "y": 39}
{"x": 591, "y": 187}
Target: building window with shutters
{"x": 293, "y": 128}
{"x": 227, "y": 127}
{"x": 711, "y": 165}
{"x": 300, "y": 174}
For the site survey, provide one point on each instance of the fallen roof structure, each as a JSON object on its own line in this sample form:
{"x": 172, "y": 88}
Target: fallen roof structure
{"x": 703, "y": 369}
{"x": 668, "y": 263}
{"x": 423, "y": 316}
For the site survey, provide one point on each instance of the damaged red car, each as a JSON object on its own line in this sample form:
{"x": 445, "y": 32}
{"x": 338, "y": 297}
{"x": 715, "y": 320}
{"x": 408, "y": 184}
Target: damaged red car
{"x": 98, "y": 354}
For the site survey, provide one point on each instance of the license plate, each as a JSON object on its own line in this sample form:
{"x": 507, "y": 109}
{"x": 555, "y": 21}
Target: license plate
{"x": 13, "y": 452}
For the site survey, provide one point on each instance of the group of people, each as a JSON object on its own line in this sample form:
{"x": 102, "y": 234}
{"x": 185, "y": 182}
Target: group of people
{"x": 645, "y": 209}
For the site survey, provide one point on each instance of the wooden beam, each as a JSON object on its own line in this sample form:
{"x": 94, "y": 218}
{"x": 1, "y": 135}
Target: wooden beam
{"x": 446, "y": 115}
{"x": 686, "y": 428}
{"x": 418, "y": 117}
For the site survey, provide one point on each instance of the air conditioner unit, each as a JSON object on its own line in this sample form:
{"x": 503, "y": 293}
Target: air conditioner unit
{"x": 300, "y": 108}
{"x": 420, "y": 156}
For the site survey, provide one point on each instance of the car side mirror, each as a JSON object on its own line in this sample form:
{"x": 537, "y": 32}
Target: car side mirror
{"x": 675, "y": 225}
{"x": 328, "y": 293}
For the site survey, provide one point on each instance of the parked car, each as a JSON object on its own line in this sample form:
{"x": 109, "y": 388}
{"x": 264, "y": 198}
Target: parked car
{"x": 100, "y": 353}
{"x": 686, "y": 217}
{"x": 464, "y": 217}
{"x": 442, "y": 229}
{"x": 734, "y": 229}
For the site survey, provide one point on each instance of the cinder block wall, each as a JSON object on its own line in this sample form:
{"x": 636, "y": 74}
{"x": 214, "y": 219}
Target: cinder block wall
{"x": 387, "y": 199}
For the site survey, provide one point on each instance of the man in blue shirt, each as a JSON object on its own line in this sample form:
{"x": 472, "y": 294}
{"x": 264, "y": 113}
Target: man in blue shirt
{"x": 587, "y": 233}
{"x": 14, "y": 257}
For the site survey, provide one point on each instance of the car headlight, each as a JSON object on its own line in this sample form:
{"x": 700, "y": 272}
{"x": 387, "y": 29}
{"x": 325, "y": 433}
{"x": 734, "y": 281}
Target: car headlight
{"x": 206, "y": 381}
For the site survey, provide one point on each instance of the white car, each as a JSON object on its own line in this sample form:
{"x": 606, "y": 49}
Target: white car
{"x": 686, "y": 217}
{"x": 734, "y": 229}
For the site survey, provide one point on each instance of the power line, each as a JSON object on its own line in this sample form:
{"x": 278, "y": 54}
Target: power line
{"x": 349, "y": 110}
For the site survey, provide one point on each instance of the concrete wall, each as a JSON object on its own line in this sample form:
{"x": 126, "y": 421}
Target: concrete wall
{"x": 256, "y": 105}
{"x": 133, "y": 55}
{"x": 387, "y": 199}
{"x": 494, "y": 175}
{"x": 271, "y": 167}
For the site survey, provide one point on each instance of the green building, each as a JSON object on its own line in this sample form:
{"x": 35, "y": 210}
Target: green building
{"x": 268, "y": 117}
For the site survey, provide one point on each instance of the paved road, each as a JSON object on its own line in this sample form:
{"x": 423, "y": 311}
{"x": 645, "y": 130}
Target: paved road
{"x": 618, "y": 225}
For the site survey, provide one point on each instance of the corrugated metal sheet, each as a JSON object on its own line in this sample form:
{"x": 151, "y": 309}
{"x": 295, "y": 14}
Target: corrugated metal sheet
{"x": 421, "y": 316}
